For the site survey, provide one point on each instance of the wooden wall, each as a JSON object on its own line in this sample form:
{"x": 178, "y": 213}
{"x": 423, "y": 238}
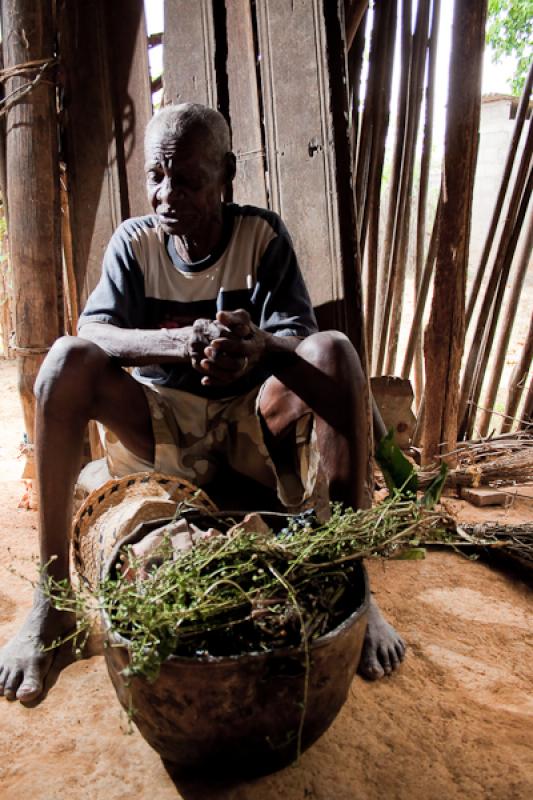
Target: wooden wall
{"x": 276, "y": 69}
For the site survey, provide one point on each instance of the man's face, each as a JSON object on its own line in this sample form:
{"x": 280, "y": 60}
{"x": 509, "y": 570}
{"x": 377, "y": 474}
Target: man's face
{"x": 184, "y": 184}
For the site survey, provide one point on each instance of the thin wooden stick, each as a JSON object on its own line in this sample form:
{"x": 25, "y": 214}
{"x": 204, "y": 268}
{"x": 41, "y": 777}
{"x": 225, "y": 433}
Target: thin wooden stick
{"x": 494, "y": 313}
{"x": 425, "y": 162}
{"x": 507, "y": 327}
{"x": 518, "y": 380}
{"x": 416, "y": 325}
{"x": 470, "y": 371}
{"x": 381, "y": 61}
{"x": 399, "y": 255}
{"x": 527, "y": 413}
{"x": 354, "y": 15}
{"x": 388, "y": 277}
{"x": 509, "y": 163}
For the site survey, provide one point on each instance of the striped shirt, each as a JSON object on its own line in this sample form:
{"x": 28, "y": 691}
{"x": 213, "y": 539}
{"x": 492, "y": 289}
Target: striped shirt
{"x": 146, "y": 285}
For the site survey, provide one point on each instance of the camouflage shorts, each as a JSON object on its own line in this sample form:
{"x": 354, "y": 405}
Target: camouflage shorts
{"x": 194, "y": 437}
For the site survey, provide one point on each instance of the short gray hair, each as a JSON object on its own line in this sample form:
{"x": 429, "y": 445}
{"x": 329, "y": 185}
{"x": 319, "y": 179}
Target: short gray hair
{"x": 175, "y": 121}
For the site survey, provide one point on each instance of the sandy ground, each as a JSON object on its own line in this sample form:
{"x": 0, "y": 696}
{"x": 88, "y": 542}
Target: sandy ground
{"x": 456, "y": 722}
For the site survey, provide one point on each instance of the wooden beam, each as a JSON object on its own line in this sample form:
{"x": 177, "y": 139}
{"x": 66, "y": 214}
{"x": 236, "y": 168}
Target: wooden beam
{"x": 33, "y": 190}
{"x": 444, "y": 338}
{"x": 189, "y": 74}
{"x": 244, "y": 110}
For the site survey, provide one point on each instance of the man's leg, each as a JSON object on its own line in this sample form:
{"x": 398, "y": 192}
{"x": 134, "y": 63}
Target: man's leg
{"x": 77, "y": 382}
{"x": 325, "y": 375}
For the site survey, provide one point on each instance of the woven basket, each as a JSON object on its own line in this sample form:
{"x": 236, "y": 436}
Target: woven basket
{"x": 113, "y": 510}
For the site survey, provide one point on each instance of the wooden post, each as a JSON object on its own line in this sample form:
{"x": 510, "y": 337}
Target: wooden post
{"x": 444, "y": 338}
{"x": 33, "y": 190}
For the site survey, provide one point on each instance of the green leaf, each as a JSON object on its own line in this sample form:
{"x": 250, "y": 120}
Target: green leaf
{"x": 411, "y": 554}
{"x": 434, "y": 490}
{"x": 399, "y": 473}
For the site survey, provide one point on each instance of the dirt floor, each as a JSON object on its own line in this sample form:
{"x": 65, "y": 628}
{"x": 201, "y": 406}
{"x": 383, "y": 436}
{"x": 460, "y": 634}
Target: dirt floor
{"x": 456, "y": 722}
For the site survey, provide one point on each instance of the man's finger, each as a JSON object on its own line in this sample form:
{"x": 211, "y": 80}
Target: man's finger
{"x": 238, "y": 322}
{"x": 232, "y": 347}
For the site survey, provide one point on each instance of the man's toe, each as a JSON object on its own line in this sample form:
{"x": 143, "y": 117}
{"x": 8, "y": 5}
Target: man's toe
{"x": 11, "y": 684}
{"x": 370, "y": 668}
{"x": 400, "y": 649}
{"x": 31, "y": 686}
{"x": 385, "y": 659}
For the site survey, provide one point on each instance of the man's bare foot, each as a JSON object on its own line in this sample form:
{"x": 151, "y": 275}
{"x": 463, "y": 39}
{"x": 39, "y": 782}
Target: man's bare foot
{"x": 23, "y": 664}
{"x": 383, "y": 648}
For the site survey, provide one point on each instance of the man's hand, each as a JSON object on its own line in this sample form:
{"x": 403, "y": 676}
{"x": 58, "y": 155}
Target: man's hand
{"x": 231, "y": 355}
{"x": 203, "y": 333}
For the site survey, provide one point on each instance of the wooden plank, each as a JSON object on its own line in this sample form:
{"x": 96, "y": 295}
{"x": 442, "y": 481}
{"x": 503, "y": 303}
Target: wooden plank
{"x": 189, "y": 53}
{"x": 33, "y": 191}
{"x": 104, "y": 148}
{"x": 132, "y": 97}
{"x": 308, "y": 156}
{"x": 485, "y": 497}
{"x": 90, "y": 146}
{"x": 244, "y": 113}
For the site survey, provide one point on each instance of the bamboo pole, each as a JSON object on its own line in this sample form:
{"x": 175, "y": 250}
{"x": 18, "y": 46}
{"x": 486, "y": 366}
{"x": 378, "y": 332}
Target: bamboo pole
{"x": 521, "y": 116}
{"x": 387, "y": 275}
{"x": 33, "y": 189}
{"x": 354, "y": 13}
{"x": 355, "y": 66}
{"x": 444, "y": 339}
{"x": 518, "y": 380}
{"x": 425, "y": 163}
{"x": 527, "y": 413}
{"x": 364, "y": 144}
{"x": 471, "y": 372}
{"x": 416, "y": 325}
{"x": 402, "y": 225}
{"x": 380, "y": 68}
{"x": 494, "y": 313}
{"x": 505, "y": 334}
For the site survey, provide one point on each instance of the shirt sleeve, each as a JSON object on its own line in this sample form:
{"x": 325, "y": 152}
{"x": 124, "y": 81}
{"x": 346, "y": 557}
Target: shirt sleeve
{"x": 280, "y": 292}
{"x": 118, "y": 298}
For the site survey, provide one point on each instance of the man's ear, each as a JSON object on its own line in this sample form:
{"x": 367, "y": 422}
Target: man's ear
{"x": 230, "y": 167}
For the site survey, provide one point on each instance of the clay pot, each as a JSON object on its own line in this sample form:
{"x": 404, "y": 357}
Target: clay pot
{"x": 240, "y": 714}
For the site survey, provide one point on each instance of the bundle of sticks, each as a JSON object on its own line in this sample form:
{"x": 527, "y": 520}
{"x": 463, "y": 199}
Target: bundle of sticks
{"x": 501, "y": 460}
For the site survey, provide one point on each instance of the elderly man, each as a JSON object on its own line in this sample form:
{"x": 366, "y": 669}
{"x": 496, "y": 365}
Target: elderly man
{"x": 206, "y": 301}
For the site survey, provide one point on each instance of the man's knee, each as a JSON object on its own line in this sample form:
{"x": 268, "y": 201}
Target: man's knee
{"x": 71, "y": 363}
{"x": 333, "y": 352}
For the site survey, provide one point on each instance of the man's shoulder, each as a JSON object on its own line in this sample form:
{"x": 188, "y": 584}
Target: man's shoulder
{"x": 257, "y": 214}
{"x": 137, "y": 226}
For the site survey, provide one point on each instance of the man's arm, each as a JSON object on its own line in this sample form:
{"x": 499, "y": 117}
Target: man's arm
{"x": 136, "y": 347}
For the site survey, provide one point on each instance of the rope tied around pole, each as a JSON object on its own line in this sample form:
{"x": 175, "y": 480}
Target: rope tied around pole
{"x": 40, "y": 66}
{"x": 29, "y": 351}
